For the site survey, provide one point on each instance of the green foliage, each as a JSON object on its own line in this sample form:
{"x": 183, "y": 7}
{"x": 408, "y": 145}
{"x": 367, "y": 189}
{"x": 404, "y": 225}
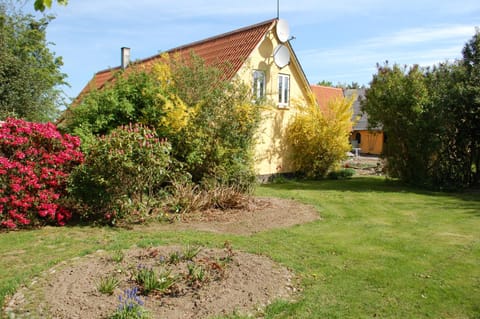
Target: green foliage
{"x": 190, "y": 252}
{"x": 218, "y": 141}
{"x": 196, "y": 274}
{"x": 431, "y": 118}
{"x": 150, "y": 281}
{"x": 209, "y": 122}
{"x": 136, "y": 96}
{"x": 374, "y": 233}
{"x": 341, "y": 174}
{"x": 41, "y": 5}
{"x": 117, "y": 256}
{"x": 319, "y": 140}
{"x": 107, "y": 284}
{"x": 127, "y": 167}
{"x": 29, "y": 72}
{"x": 194, "y": 81}
{"x": 403, "y": 114}
{"x": 174, "y": 258}
{"x": 278, "y": 179}
{"x": 348, "y": 86}
{"x": 325, "y": 83}
{"x": 147, "y": 279}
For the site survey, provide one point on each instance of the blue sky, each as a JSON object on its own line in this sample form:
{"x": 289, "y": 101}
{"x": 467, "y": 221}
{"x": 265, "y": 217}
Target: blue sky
{"x": 338, "y": 41}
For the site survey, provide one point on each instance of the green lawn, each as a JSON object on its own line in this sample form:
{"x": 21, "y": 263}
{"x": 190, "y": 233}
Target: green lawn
{"x": 380, "y": 250}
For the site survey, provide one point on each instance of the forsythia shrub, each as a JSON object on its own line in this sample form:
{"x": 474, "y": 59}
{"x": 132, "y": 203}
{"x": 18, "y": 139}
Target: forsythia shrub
{"x": 218, "y": 143}
{"x": 319, "y": 139}
{"x": 122, "y": 170}
{"x": 35, "y": 162}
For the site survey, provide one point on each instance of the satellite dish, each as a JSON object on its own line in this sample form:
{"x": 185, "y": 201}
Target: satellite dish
{"x": 282, "y": 30}
{"x": 281, "y": 56}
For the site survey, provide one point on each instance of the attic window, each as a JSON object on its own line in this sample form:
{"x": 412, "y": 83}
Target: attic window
{"x": 258, "y": 86}
{"x": 283, "y": 90}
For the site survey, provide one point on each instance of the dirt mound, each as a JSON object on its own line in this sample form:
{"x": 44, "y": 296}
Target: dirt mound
{"x": 245, "y": 284}
{"x": 70, "y": 290}
{"x": 263, "y": 214}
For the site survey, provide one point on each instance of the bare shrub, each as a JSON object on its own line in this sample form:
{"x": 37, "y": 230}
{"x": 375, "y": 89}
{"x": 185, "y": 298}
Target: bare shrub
{"x": 187, "y": 197}
{"x": 227, "y": 197}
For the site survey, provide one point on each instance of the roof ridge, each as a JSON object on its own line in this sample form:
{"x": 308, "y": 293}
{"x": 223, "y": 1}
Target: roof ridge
{"x": 325, "y": 87}
{"x": 195, "y": 43}
{"x": 222, "y": 35}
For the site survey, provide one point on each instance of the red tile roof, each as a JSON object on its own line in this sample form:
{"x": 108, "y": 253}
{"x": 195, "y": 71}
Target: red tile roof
{"x": 227, "y": 51}
{"x": 324, "y": 94}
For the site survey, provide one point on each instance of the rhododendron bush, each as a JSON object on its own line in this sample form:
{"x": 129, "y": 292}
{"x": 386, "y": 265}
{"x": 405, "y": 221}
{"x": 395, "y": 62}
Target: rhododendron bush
{"x": 122, "y": 172}
{"x": 35, "y": 162}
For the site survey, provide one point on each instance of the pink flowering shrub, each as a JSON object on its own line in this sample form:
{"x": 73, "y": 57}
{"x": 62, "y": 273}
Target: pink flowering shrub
{"x": 35, "y": 162}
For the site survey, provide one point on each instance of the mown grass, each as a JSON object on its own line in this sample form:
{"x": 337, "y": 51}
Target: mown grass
{"x": 380, "y": 250}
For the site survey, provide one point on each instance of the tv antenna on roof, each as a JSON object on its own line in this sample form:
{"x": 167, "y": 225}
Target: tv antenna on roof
{"x": 278, "y": 9}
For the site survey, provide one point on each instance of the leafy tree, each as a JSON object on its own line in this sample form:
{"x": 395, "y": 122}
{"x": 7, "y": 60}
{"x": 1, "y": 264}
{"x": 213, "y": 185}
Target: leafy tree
{"x": 134, "y": 96}
{"x": 396, "y": 100}
{"x": 470, "y": 124}
{"x": 432, "y": 120}
{"x": 29, "y": 72}
{"x": 319, "y": 140}
{"x": 353, "y": 85}
{"x": 325, "y": 83}
{"x": 41, "y": 5}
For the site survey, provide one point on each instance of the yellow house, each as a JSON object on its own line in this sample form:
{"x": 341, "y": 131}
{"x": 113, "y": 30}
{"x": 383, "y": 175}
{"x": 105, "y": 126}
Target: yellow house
{"x": 261, "y": 56}
{"x": 364, "y": 138}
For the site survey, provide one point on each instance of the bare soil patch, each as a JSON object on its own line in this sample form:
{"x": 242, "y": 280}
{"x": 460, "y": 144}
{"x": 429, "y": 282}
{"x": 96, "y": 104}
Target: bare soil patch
{"x": 246, "y": 283}
{"x": 262, "y": 214}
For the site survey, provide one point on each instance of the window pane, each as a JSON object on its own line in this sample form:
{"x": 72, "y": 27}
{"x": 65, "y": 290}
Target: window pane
{"x": 287, "y": 90}
{"x": 283, "y": 89}
{"x": 280, "y": 89}
{"x": 258, "y": 86}
{"x": 261, "y": 89}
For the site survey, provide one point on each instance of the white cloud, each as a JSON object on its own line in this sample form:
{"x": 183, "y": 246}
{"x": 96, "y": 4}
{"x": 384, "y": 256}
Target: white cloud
{"x": 423, "y": 46}
{"x": 338, "y": 37}
{"x": 422, "y": 35}
{"x": 441, "y": 42}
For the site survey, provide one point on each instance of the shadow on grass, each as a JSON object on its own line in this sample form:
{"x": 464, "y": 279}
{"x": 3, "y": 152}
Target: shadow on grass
{"x": 370, "y": 184}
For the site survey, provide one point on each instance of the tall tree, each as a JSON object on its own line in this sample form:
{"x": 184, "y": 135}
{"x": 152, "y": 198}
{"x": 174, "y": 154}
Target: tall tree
{"x": 30, "y": 74}
{"x": 325, "y": 83}
{"x": 432, "y": 120}
{"x": 397, "y": 99}
{"x": 471, "y": 121}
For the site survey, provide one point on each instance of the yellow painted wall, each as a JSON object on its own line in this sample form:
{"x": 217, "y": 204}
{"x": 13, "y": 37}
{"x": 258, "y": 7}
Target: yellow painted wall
{"x": 371, "y": 141}
{"x": 271, "y": 154}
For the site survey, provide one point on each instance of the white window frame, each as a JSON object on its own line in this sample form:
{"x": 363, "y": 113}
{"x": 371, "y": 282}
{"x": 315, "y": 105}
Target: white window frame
{"x": 258, "y": 84}
{"x": 283, "y": 90}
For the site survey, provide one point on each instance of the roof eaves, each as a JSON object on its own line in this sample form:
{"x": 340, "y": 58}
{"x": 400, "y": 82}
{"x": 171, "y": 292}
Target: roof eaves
{"x": 209, "y": 39}
{"x": 308, "y": 89}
